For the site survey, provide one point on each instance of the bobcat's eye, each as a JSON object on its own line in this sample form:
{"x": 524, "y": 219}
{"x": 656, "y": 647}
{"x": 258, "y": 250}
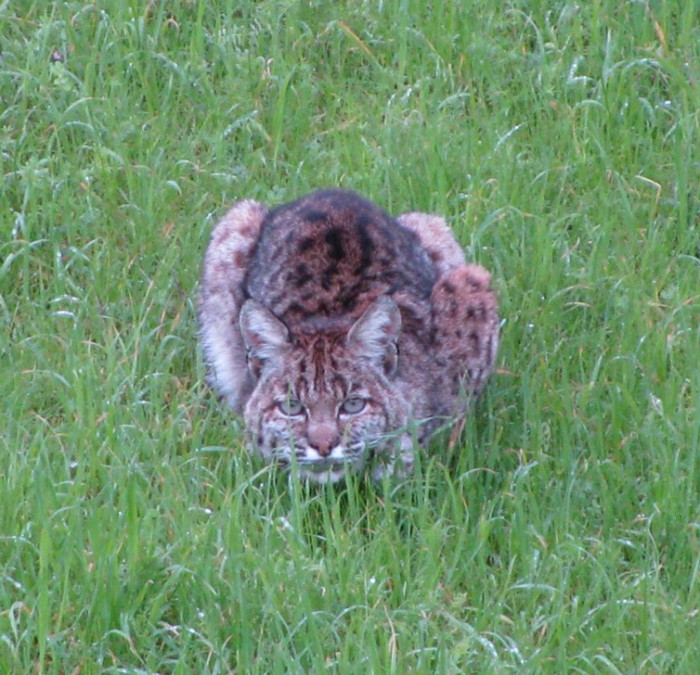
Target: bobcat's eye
{"x": 353, "y": 405}
{"x": 291, "y": 407}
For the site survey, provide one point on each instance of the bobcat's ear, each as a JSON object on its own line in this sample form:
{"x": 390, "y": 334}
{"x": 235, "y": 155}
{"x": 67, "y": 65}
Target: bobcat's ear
{"x": 266, "y": 338}
{"x": 375, "y": 334}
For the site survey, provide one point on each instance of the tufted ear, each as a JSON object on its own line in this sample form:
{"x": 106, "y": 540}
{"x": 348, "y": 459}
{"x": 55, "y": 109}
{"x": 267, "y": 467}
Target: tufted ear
{"x": 375, "y": 334}
{"x": 266, "y": 338}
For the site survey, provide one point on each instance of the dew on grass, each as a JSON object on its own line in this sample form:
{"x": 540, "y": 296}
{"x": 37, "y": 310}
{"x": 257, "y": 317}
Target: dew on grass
{"x": 19, "y": 227}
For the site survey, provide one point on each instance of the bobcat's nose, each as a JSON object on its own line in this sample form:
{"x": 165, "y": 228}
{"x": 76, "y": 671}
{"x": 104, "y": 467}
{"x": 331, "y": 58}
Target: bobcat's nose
{"x": 323, "y": 438}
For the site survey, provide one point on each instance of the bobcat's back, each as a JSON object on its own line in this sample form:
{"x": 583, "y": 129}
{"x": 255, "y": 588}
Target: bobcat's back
{"x": 321, "y": 260}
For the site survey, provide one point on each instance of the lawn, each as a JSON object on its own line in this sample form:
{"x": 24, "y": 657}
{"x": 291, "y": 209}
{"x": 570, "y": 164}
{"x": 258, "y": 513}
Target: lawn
{"x": 560, "y": 139}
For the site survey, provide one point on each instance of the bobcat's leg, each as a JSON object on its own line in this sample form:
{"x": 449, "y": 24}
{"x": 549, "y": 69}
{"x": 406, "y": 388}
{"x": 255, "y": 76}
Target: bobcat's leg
{"x": 437, "y": 239}
{"x": 220, "y": 300}
{"x": 465, "y": 325}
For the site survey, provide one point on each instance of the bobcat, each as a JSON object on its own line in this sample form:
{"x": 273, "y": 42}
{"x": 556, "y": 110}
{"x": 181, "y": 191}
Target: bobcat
{"x": 341, "y": 333}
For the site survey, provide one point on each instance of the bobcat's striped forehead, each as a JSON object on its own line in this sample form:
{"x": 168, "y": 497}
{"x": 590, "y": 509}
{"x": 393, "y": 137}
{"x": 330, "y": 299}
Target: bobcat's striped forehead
{"x": 320, "y": 369}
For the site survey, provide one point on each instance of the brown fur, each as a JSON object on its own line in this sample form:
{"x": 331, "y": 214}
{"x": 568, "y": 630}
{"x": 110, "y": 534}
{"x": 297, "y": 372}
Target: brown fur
{"x": 333, "y": 327}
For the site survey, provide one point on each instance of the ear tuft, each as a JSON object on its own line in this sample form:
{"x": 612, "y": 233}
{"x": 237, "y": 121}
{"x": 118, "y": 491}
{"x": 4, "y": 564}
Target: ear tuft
{"x": 266, "y": 338}
{"x": 375, "y": 334}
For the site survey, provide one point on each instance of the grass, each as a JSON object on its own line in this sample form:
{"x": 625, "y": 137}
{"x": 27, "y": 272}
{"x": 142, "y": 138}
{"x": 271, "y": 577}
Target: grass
{"x": 560, "y": 139}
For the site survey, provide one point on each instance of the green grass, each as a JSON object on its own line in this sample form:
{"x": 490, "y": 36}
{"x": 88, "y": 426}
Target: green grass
{"x": 559, "y": 138}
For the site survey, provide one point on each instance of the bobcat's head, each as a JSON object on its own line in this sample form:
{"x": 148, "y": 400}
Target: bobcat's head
{"x": 325, "y": 402}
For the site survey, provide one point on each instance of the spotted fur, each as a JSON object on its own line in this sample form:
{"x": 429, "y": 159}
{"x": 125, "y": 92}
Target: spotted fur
{"x": 341, "y": 333}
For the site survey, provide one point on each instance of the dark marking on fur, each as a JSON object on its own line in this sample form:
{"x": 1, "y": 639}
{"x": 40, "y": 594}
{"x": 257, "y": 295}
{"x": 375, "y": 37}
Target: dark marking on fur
{"x": 305, "y": 243}
{"x": 366, "y": 244}
{"x": 248, "y": 229}
{"x": 338, "y": 383}
{"x": 335, "y": 244}
{"x": 313, "y": 215}
{"x": 296, "y": 308}
{"x": 303, "y": 276}
{"x": 326, "y": 281}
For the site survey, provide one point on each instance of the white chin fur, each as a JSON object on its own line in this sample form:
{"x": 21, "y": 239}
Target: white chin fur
{"x": 329, "y": 474}
{"x": 322, "y": 477}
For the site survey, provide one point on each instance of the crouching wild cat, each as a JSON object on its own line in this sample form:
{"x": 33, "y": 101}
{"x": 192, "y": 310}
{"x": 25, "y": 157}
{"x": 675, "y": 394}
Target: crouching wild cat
{"x": 342, "y": 334}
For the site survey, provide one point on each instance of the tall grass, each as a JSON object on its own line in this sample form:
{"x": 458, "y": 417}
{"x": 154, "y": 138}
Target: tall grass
{"x": 560, "y": 139}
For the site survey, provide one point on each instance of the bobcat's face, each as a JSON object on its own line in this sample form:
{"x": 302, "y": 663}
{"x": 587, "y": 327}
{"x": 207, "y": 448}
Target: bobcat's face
{"x": 325, "y": 403}
{"x": 324, "y": 412}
